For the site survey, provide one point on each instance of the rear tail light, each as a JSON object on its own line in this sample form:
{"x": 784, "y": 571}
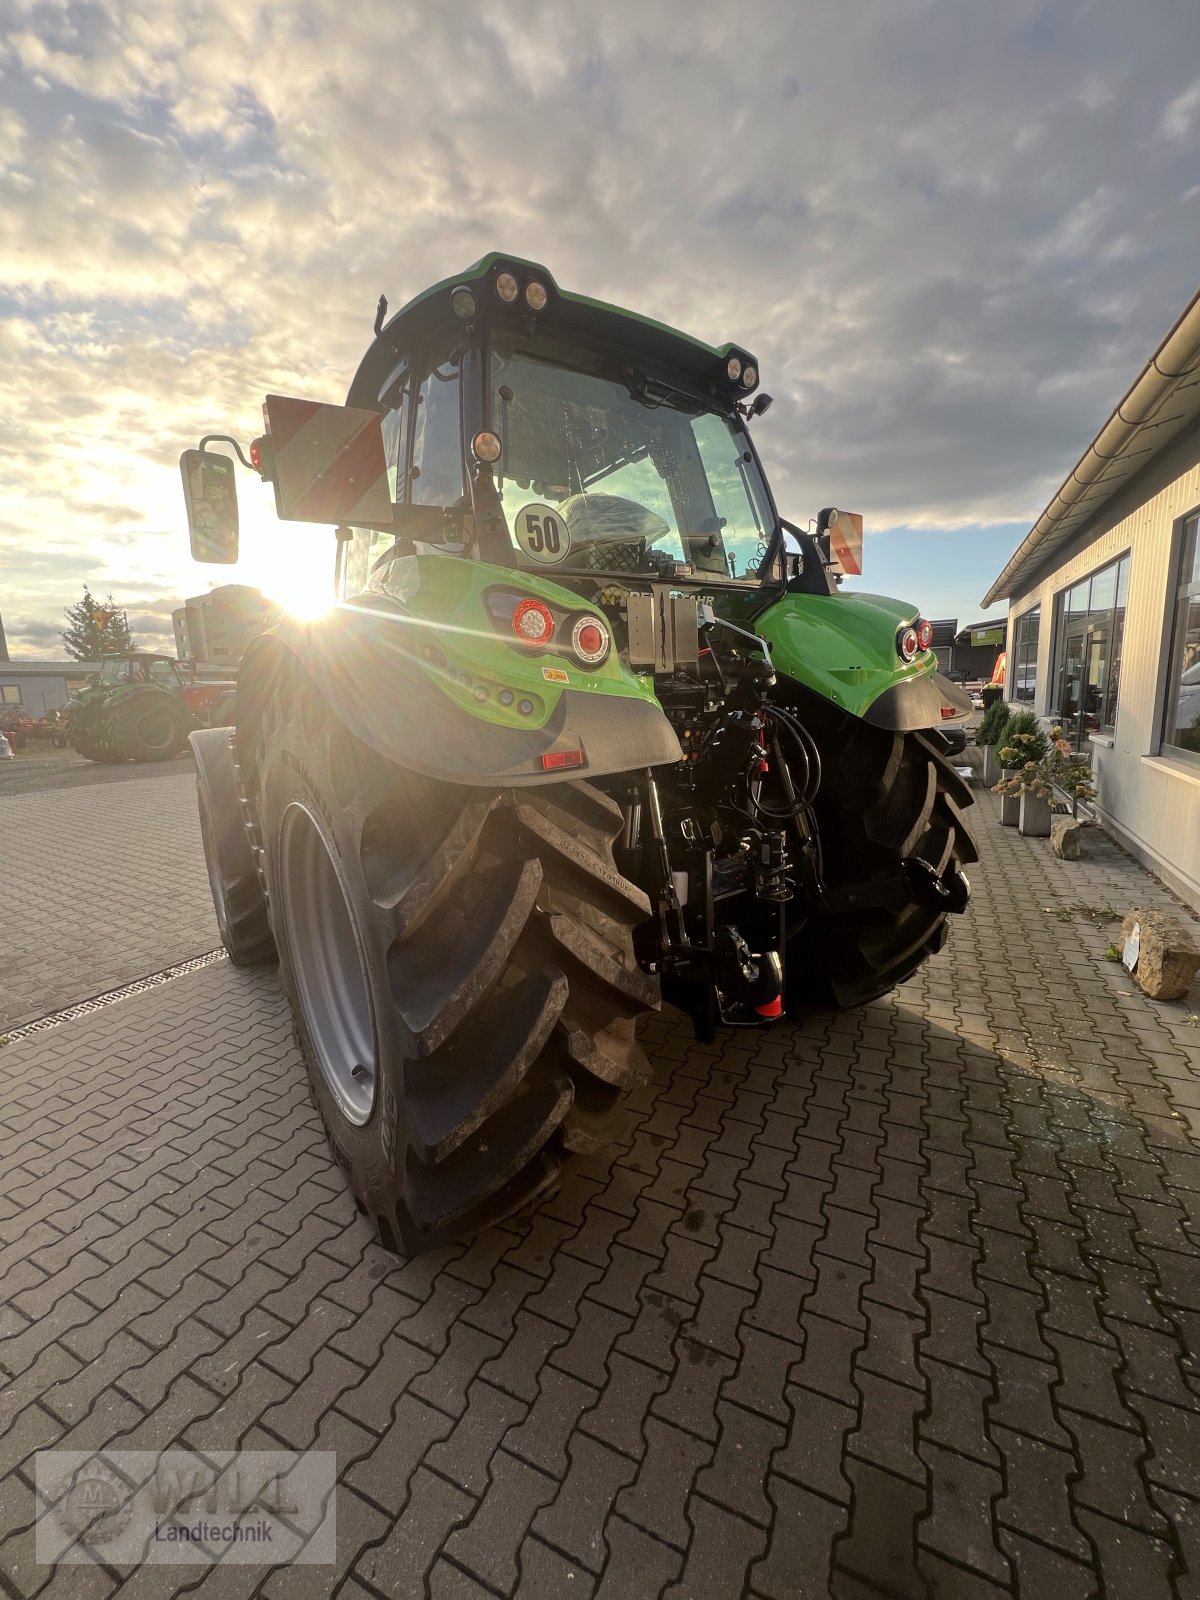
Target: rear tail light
{"x": 589, "y": 640}
{"x": 907, "y": 643}
{"x": 533, "y": 622}
{"x": 924, "y": 633}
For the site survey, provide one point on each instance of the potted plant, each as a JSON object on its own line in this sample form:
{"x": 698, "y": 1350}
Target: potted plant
{"x": 1026, "y": 787}
{"x": 1069, "y": 771}
{"x": 991, "y": 731}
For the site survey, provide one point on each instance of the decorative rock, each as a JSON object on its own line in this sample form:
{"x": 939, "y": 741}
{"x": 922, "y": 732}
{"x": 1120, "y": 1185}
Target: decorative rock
{"x": 1066, "y": 836}
{"x": 1035, "y": 816}
{"x": 1168, "y": 957}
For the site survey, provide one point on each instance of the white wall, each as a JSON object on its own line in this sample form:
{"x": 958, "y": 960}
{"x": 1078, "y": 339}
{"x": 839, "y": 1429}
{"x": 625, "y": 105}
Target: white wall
{"x": 1151, "y": 801}
{"x": 40, "y": 692}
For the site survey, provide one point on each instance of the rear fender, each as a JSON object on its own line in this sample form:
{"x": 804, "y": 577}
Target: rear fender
{"x": 421, "y": 681}
{"x": 843, "y": 648}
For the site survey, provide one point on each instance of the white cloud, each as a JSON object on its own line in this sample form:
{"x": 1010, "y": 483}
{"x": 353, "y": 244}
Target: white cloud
{"x": 951, "y": 234}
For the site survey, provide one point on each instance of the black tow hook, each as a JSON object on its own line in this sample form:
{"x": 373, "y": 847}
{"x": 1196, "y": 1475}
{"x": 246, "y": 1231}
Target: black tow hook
{"x": 948, "y": 893}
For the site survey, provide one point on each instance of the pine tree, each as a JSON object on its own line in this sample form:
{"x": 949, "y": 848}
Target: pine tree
{"x": 96, "y": 629}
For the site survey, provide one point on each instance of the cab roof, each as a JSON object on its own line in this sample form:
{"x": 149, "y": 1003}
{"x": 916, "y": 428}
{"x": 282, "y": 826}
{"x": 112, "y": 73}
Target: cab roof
{"x": 429, "y": 312}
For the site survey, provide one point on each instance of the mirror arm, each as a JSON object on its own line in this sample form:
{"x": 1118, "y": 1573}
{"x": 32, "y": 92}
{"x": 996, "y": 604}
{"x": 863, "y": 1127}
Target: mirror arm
{"x": 225, "y": 438}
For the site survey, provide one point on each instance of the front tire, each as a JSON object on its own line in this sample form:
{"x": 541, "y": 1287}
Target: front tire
{"x": 238, "y": 899}
{"x": 885, "y": 799}
{"x": 460, "y": 968}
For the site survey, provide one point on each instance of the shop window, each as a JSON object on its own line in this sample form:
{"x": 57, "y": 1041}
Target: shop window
{"x": 1182, "y": 731}
{"x": 1090, "y": 634}
{"x": 1023, "y": 676}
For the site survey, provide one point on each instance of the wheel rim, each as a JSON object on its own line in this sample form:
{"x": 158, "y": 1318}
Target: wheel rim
{"x": 325, "y": 956}
{"x": 156, "y": 729}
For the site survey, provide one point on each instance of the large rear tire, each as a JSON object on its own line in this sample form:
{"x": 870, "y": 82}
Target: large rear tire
{"x": 149, "y": 727}
{"x": 460, "y": 967}
{"x": 238, "y": 899}
{"x": 885, "y": 799}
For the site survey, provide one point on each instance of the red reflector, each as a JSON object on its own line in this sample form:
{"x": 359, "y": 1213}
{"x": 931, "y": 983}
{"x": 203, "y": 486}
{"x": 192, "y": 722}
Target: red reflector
{"x": 948, "y": 711}
{"x": 591, "y": 640}
{"x": 773, "y": 1008}
{"x": 555, "y": 760}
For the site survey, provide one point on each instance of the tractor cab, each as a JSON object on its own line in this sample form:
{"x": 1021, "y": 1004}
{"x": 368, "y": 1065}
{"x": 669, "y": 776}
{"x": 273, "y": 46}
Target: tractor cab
{"x": 140, "y": 666}
{"x": 544, "y": 431}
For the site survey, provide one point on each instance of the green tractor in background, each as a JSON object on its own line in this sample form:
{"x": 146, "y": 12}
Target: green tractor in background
{"x": 590, "y": 727}
{"x": 142, "y": 707}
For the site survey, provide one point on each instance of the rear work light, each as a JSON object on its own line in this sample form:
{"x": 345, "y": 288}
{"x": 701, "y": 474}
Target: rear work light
{"x": 533, "y": 622}
{"x": 557, "y": 760}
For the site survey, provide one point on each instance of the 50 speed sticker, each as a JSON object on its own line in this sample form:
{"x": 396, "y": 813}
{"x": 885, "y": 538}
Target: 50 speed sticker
{"x": 542, "y": 533}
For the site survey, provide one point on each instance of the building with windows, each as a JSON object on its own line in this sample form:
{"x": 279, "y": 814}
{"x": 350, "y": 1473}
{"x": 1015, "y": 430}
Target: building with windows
{"x": 1104, "y": 612}
{"x": 36, "y": 687}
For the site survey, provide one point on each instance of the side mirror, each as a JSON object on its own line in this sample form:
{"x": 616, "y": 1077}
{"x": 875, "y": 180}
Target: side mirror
{"x": 210, "y": 494}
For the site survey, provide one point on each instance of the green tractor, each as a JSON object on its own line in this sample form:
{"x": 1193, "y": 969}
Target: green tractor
{"x": 142, "y": 707}
{"x": 589, "y": 727}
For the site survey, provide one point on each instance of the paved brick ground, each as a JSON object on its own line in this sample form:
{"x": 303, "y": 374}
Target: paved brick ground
{"x": 101, "y": 884}
{"x": 904, "y": 1304}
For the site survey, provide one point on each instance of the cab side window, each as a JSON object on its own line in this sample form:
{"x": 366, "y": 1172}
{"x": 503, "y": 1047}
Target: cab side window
{"x": 164, "y": 673}
{"x": 437, "y": 475}
{"x": 395, "y": 441}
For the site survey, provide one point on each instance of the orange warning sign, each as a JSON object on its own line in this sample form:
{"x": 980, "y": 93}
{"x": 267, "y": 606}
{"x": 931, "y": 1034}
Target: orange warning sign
{"x": 845, "y": 542}
{"x": 329, "y": 462}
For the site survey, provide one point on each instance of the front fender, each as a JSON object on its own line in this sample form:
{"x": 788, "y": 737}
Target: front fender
{"x": 843, "y": 647}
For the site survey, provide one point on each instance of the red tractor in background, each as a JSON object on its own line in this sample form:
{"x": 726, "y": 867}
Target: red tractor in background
{"x": 142, "y": 706}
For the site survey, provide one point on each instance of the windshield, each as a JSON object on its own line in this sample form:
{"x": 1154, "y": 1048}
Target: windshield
{"x": 114, "y": 672}
{"x": 604, "y": 471}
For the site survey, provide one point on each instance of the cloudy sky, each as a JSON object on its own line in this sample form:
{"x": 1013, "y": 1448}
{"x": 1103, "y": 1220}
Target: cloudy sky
{"x": 953, "y": 231}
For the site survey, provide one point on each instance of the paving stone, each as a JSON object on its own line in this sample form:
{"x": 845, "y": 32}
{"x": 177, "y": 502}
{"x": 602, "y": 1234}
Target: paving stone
{"x": 1134, "y": 1564}
{"x": 488, "y": 1543}
{"x": 547, "y": 1575}
{"x": 574, "y": 1522}
{"x": 398, "y": 1566}
{"x": 798, "y": 1560}
{"x": 878, "y": 1548}
{"x": 619, "y": 1414}
{"x": 541, "y": 1438}
{"x": 656, "y": 1500}
{"x": 690, "y": 1400}
{"x": 719, "y": 1554}
{"x": 1040, "y": 1571}
{"x": 960, "y": 1525}
{"x": 638, "y": 1565}
{"x": 465, "y": 1455}
{"x": 1037, "y": 1504}
{"x": 372, "y": 1399}
{"x": 814, "y": 1453}
{"x": 385, "y": 1474}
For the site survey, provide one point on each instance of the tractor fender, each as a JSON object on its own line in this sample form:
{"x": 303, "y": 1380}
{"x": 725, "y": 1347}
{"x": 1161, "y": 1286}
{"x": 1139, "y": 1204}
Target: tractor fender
{"x": 364, "y": 667}
{"x": 843, "y": 648}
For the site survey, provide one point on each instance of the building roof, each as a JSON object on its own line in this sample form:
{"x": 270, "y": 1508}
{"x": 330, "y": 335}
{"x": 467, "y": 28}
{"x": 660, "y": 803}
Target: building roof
{"x": 53, "y": 669}
{"x": 1161, "y": 403}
